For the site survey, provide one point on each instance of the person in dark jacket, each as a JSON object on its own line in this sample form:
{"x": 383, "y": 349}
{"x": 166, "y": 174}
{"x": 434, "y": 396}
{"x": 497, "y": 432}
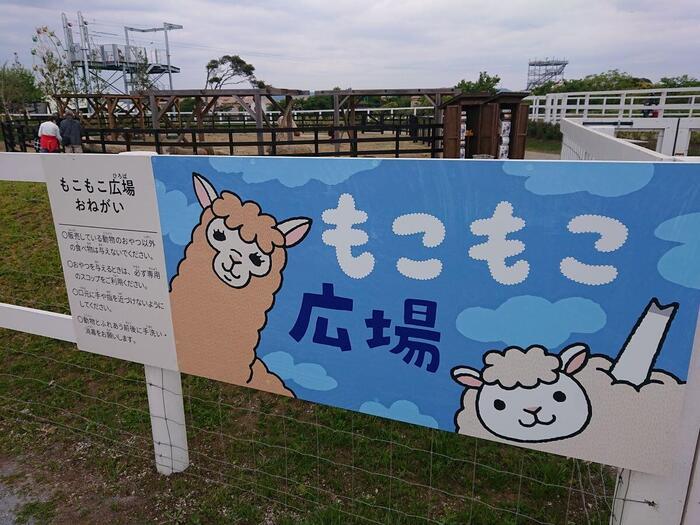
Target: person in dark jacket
{"x": 71, "y": 133}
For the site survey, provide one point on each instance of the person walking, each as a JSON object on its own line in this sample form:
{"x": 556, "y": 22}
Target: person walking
{"x": 49, "y": 136}
{"x": 71, "y": 133}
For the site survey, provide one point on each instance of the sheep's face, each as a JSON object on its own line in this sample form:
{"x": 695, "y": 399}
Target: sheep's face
{"x": 236, "y": 261}
{"x": 545, "y": 412}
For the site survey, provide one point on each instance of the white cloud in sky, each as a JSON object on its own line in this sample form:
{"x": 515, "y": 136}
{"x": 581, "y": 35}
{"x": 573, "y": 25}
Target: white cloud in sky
{"x": 317, "y": 44}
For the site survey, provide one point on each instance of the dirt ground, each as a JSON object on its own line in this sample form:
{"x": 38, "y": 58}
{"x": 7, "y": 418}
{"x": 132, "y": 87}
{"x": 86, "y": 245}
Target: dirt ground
{"x": 22, "y": 500}
{"x": 244, "y": 144}
{"x": 172, "y": 146}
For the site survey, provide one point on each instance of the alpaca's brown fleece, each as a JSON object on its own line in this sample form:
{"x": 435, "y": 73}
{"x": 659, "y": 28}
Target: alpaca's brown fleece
{"x": 217, "y": 327}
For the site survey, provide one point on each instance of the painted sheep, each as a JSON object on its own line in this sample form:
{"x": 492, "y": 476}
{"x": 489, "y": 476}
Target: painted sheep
{"x": 530, "y": 396}
{"x": 534, "y": 396}
{"x": 225, "y": 286}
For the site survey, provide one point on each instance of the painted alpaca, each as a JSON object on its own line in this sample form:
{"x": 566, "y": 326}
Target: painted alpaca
{"x": 225, "y": 286}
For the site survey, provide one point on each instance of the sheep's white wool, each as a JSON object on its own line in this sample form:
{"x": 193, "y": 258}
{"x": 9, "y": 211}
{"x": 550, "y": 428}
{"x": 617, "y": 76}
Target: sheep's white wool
{"x": 515, "y": 366}
{"x": 624, "y": 419}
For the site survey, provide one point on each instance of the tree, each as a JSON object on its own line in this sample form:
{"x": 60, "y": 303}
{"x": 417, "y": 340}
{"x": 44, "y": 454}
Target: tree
{"x": 51, "y": 63}
{"x": 678, "y": 82}
{"x": 316, "y": 102}
{"x": 17, "y": 87}
{"x": 485, "y": 84}
{"x": 140, "y": 79}
{"x": 610, "y": 80}
{"x": 230, "y": 70}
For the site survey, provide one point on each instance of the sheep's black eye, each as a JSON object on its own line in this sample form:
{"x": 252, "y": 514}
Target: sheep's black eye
{"x": 559, "y": 396}
{"x": 219, "y": 235}
{"x": 255, "y": 259}
{"x": 499, "y": 404}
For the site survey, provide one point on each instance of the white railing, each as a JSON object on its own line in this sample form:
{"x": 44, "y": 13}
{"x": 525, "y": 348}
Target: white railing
{"x": 243, "y": 115}
{"x": 590, "y": 142}
{"x": 633, "y": 103}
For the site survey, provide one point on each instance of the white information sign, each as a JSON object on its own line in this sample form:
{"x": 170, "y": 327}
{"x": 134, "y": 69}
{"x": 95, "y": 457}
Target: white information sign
{"x": 106, "y": 218}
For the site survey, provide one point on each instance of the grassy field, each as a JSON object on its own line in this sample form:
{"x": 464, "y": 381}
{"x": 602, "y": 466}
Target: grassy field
{"x": 543, "y": 145}
{"x": 75, "y": 438}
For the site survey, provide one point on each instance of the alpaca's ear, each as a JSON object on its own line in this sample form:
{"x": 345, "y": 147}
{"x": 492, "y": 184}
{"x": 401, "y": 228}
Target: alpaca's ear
{"x": 467, "y": 376}
{"x": 294, "y": 230}
{"x": 573, "y": 357}
{"x": 206, "y": 194}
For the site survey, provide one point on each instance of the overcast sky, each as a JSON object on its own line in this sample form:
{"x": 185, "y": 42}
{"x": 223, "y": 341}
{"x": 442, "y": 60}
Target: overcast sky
{"x": 319, "y": 44}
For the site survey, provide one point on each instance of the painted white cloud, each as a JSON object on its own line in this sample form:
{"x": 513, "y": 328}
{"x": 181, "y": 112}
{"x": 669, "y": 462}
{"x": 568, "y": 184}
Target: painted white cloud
{"x": 178, "y": 218}
{"x": 293, "y": 172}
{"x": 526, "y": 320}
{"x": 549, "y": 178}
{"x": 308, "y": 375}
{"x": 680, "y": 263}
{"x": 401, "y": 410}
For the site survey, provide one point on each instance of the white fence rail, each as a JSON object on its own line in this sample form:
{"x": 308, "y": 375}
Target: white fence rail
{"x": 597, "y": 141}
{"x": 675, "y": 496}
{"x": 634, "y": 103}
{"x": 163, "y": 386}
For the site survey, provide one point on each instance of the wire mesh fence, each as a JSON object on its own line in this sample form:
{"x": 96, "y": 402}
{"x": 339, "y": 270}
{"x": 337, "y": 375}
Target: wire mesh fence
{"x": 254, "y": 457}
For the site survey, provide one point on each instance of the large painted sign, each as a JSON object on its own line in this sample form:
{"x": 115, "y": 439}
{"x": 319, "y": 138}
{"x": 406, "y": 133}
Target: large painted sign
{"x": 550, "y": 305}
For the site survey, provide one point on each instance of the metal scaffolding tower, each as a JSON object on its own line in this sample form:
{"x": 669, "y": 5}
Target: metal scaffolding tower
{"x": 91, "y": 61}
{"x": 547, "y": 70}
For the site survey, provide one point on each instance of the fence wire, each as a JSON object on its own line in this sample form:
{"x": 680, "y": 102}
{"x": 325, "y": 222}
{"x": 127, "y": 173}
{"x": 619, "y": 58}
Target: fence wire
{"x": 289, "y": 455}
{"x": 254, "y": 457}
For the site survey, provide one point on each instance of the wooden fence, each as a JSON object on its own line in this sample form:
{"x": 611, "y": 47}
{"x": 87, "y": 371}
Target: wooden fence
{"x": 411, "y": 136}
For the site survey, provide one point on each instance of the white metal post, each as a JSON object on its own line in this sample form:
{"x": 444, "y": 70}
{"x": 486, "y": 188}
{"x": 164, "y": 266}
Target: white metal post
{"x": 167, "y": 54}
{"x": 84, "y": 47}
{"x": 646, "y": 499}
{"x": 167, "y": 411}
{"x": 126, "y": 60}
{"x": 164, "y": 387}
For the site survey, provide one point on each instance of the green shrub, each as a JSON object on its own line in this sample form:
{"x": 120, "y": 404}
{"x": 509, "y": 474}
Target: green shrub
{"x": 543, "y": 130}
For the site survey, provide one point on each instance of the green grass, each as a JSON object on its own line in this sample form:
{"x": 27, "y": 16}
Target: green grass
{"x": 38, "y": 512}
{"x": 543, "y": 145}
{"x": 255, "y": 458}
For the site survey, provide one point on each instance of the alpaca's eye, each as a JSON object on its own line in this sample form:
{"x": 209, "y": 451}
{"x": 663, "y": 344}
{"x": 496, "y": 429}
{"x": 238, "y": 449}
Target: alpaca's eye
{"x": 255, "y": 259}
{"x": 559, "y": 396}
{"x": 499, "y": 404}
{"x": 219, "y": 235}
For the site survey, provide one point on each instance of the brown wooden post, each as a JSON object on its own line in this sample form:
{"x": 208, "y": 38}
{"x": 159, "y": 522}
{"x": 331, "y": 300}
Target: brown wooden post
{"x": 438, "y": 120}
{"x": 519, "y": 133}
{"x": 451, "y": 136}
{"x": 487, "y": 137}
{"x": 198, "y": 117}
{"x": 351, "y": 122}
{"x": 259, "y": 122}
{"x": 336, "y": 120}
{"x": 111, "y": 119}
{"x": 289, "y": 104}
{"x": 155, "y": 114}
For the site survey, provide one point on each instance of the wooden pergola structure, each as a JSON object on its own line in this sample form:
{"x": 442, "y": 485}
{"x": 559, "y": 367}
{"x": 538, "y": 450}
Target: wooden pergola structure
{"x": 105, "y": 107}
{"x": 345, "y": 101}
{"x": 205, "y": 101}
{"x": 159, "y": 104}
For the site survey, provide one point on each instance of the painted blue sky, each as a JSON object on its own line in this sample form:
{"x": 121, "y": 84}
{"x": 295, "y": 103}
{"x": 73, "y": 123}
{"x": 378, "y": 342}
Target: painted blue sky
{"x": 475, "y": 313}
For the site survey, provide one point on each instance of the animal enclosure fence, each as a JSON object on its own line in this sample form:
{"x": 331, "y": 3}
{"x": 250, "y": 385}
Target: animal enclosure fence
{"x": 405, "y": 135}
{"x": 254, "y": 457}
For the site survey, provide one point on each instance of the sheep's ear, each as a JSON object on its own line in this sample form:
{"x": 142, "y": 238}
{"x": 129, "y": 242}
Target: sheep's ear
{"x": 467, "y": 376}
{"x": 294, "y": 230}
{"x": 206, "y": 194}
{"x": 573, "y": 357}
